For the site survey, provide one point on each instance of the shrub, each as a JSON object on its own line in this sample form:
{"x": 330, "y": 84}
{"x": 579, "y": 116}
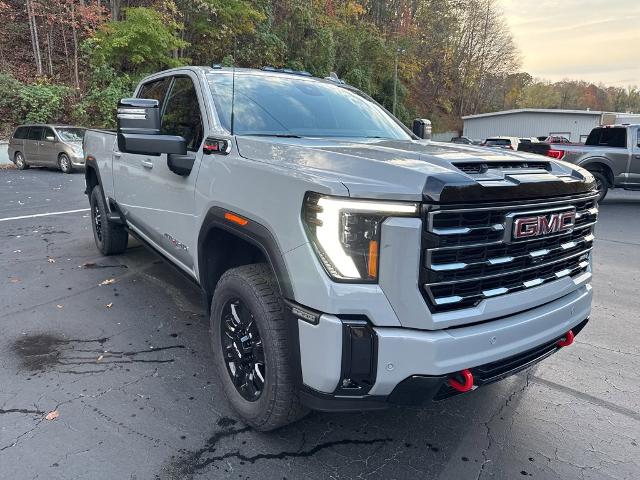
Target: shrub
{"x": 42, "y": 102}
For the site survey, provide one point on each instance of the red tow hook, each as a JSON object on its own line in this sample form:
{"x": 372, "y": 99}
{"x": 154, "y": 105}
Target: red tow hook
{"x": 468, "y": 381}
{"x": 567, "y": 339}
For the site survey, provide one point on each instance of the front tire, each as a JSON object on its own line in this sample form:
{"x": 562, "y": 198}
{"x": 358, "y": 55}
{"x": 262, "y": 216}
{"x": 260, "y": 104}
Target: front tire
{"x": 64, "y": 163}
{"x": 249, "y": 337}
{"x": 20, "y": 162}
{"x": 111, "y": 238}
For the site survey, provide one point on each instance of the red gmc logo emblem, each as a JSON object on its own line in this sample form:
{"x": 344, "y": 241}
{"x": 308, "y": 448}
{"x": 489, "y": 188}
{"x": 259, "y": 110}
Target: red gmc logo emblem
{"x": 539, "y": 225}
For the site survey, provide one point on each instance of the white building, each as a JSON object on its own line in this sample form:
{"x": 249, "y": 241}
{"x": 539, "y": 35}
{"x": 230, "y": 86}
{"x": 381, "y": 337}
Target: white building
{"x": 535, "y": 122}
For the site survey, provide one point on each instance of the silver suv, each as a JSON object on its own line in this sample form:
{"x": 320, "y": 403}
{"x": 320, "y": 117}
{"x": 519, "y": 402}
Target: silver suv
{"x": 57, "y": 146}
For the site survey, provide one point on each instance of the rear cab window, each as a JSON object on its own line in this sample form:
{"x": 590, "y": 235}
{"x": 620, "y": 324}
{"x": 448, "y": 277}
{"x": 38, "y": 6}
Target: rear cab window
{"x": 501, "y": 142}
{"x": 608, "y": 137}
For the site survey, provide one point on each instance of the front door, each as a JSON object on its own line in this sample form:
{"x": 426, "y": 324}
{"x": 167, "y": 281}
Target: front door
{"x": 48, "y": 151}
{"x": 32, "y": 145}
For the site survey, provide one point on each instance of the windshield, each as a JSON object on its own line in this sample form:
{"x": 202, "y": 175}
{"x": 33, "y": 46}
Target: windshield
{"x": 292, "y": 106}
{"x": 71, "y": 135}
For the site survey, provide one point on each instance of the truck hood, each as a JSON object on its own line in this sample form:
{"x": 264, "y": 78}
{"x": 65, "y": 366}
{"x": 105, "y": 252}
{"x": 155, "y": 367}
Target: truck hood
{"x": 420, "y": 169}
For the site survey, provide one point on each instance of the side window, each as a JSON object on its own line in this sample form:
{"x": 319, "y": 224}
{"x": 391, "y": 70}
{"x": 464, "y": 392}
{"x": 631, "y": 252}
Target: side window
{"x": 21, "y": 133}
{"x": 182, "y": 113}
{"x": 155, "y": 90}
{"x": 35, "y": 133}
{"x": 638, "y": 138}
{"x": 48, "y": 134}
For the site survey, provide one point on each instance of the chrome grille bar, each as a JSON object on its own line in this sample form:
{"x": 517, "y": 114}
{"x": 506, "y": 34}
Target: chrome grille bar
{"x": 485, "y": 277}
{"x": 443, "y": 267}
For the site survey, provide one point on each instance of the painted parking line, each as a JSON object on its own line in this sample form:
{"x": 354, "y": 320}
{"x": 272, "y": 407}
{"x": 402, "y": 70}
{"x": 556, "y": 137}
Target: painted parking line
{"x": 36, "y": 215}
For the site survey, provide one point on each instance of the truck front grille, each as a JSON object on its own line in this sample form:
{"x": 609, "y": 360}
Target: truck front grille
{"x": 469, "y": 254}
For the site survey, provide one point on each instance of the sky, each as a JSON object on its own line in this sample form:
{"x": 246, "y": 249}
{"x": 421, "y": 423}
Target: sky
{"x": 593, "y": 40}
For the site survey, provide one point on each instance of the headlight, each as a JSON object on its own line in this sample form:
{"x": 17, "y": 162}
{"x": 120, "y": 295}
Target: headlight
{"x": 77, "y": 151}
{"x": 345, "y": 233}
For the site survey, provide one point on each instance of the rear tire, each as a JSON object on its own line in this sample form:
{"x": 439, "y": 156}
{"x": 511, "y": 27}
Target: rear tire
{"x": 602, "y": 185}
{"x": 111, "y": 238}
{"x": 20, "y": 162}
{"x": 64, "y": 163}
{"x": 250, "y": 347}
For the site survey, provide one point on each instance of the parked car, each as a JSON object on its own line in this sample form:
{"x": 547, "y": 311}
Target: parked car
{"x": 57, "y": 146}
{"x": 347, "y": 263}
{"x": 556, "y": 139}
{"x": 508, "y": 143}
{"x": 462, "y": 140}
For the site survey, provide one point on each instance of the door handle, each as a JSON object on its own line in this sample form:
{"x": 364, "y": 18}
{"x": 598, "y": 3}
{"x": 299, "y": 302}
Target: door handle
{"x": 146, "y": 163}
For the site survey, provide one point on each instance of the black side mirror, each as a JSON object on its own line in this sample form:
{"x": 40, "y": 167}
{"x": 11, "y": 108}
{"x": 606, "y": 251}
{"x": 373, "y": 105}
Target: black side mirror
{"x": 139, "y": 129}
{"x": 422, "y": 128}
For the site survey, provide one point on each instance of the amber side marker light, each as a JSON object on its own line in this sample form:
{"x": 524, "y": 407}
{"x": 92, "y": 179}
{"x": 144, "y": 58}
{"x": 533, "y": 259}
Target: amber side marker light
{"x": 372, "y": 264}
{"x": 232, "y": 217}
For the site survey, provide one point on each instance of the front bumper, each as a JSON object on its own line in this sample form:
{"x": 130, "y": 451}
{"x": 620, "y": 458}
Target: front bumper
{"x": 77, "y": 161}
{"x": 413, "y": 366}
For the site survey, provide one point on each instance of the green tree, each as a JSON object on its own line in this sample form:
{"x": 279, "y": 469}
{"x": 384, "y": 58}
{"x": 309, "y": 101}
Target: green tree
{"x": 145, "y": 41}
{"x": 42, "y": 102}
{"x": 97, "y": 108}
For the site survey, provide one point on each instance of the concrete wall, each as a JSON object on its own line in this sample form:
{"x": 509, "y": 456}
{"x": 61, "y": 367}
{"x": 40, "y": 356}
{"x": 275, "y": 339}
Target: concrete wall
{"x": 532, "y": 124}
{"x": 444, "y": 136}
{"x": 4, "y": 158}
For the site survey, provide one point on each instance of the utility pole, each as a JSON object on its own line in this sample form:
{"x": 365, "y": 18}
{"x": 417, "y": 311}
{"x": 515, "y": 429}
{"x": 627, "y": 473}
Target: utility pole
{"x": 395, "y": 79}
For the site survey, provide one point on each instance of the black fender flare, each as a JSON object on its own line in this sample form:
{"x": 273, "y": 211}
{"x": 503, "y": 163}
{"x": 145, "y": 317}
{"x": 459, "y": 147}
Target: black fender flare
{"x": 254, "y": 233}
{"x": 90, "y": 164}
{"x": 599, "y": 162}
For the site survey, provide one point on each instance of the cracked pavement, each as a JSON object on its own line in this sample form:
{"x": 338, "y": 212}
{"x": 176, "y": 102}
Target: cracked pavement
{"x": 127, "y": 366}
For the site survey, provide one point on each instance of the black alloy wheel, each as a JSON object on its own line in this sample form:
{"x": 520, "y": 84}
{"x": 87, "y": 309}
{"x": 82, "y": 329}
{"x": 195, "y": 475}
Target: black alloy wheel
{"x": 243, "y": 350}
{"x": 97, "y": 221}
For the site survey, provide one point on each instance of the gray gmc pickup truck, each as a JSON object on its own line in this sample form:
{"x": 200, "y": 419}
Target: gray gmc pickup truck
{"x": 347, "y": 263}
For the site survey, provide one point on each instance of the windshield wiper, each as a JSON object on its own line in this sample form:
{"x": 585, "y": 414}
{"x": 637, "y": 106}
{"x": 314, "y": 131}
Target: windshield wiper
{"x": 277, "y": 135}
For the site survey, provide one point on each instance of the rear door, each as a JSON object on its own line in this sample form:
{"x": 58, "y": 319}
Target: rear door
{"x": 32, "y": 145}
{"x": 131, "y": 171}
{"x": 168, "y": 199}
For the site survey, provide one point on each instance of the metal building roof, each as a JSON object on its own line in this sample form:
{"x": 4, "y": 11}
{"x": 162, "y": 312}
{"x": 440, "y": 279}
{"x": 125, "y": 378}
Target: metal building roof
{"x": 539, "y": 110}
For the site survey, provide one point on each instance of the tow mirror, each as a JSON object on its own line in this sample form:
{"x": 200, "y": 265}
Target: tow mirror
{"x": 139, "y": 129}
{"x": 139, "y": 115}
{"x": 422, "y": 128}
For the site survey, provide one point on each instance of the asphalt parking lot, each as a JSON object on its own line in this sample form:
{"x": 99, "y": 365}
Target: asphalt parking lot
{"x": 119, "y": 348}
